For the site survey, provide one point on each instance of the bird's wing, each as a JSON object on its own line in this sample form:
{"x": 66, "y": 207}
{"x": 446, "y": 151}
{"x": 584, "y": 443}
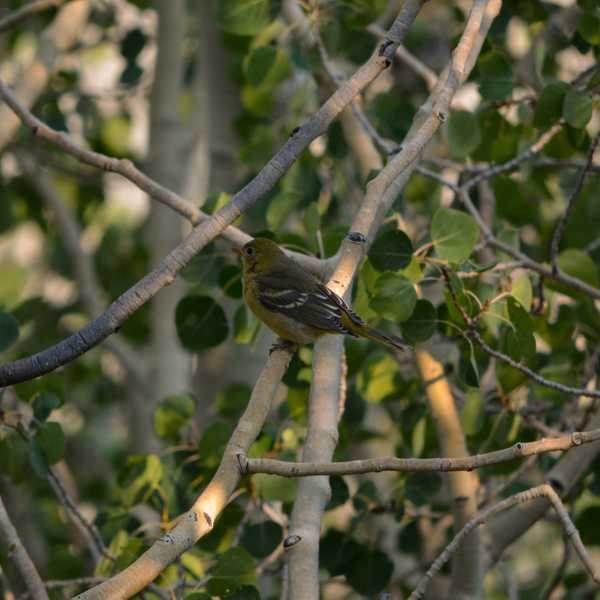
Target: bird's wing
{"x": 309, "y": 302}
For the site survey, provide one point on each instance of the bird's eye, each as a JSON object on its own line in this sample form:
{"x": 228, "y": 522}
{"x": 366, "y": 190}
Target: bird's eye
{"x": 249, "y": 251}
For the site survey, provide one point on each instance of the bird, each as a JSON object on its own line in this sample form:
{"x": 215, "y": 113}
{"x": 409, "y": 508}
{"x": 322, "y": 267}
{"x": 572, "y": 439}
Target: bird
{"x": 294, "y": 303}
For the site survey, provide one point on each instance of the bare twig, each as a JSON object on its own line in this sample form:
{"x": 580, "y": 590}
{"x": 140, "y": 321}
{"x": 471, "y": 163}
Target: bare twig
{"x": 93, "y": 537}
{"x": 560, "y": 227}
{"x": 20, "y": 557}
{"x": 200, "y": 519}
{"x": 377, "y": 465}
{"x": 27, "y": 11}
{"x": 545, "y": 490}
{"x": 554, "y": 385}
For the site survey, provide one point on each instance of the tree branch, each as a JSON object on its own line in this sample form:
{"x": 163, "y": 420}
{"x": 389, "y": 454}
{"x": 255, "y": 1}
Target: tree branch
{"x": 466, "y": 578}
{"x": 553, "y": 385}
{"x": 545, "y": 490}
{"x": 20, "y": 557}
{"x": 164, "y": 274}
{"x": 200, "y": 519}
{"x": 410, "y": 465}
{"x": 23, "y": 13}
{"x": 314, "y": 493}
{"x": 60, "y": 35}
{"x": 385, "y": 187}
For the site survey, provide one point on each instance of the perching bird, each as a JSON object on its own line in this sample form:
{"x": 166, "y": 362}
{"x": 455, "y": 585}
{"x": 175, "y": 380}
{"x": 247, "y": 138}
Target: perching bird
{"x": 294, "y": 303}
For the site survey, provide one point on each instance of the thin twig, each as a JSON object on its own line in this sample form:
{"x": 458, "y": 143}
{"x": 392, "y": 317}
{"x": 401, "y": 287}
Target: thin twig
{"x": 27, "y": 11}
{"x": 546, "y": 491}
{"x": 95, "y": 542}
{"x": 553, "y": 385}
{"x": 560, "y": 227}
{"x": 378, "y": 465}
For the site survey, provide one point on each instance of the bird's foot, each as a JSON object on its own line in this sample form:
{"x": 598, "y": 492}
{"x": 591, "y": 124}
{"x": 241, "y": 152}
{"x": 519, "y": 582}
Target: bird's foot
{"x": 283, "y": 345}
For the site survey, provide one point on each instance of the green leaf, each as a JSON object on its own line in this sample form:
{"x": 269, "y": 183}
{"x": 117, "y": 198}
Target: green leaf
{"x": 232, "y": 401}
{"x": 495, "y": 76}
{"x": 246, "y": 592}
{"x": 258, "y": 64}
{"x": 243, "y": 17}
{"x": 369, "y": 571}
{"x": 281, "y": 207}
{"x": 523, "y": 329}
{"x": 51, "y": 440}
{"x": 234, "y": 569}
{"x": 472, "y": 415}
{"x": 14, "y": 451}
{"x": 577, "y": 264}
{"x": 213, "y": 442}
{"x": 339, "y": 492}
{"x": 394, "y": 297}
{"x": 420, "y": 487}
{"x": 261, "y": 539}
{"x": 312, "y": 219}
{"x": 245, "y": 325}
{"x": 577, "y": 109}
{"x": 43, "y": 404}
{"x": 464, "y": 133}
{"x": 230, "y": 279}
{"x": 201, "y": 323}
{"x": 454, "y": 234}
{"x": 587, "y": 524}
{"x": 391, "y": 251}
{"x": 9, "y": 330}
{"x": 550, "y": 104}
{"x": 268, "y": 487}
{"x": 172, "y": 414}
{"x": 521, "y": 290}
{"x": 139, "y": 478}
{"x": 589, "y": 28}
{"x": 422, "y": 323}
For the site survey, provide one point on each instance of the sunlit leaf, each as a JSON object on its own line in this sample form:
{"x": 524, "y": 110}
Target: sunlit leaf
{"x": 454, "y": 234}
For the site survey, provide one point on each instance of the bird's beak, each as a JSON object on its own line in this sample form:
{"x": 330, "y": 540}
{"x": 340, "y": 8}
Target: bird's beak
{"x": 237, "y": 251}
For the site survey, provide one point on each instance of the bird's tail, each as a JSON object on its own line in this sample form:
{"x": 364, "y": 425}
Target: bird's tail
{"x": 383, "y": 338}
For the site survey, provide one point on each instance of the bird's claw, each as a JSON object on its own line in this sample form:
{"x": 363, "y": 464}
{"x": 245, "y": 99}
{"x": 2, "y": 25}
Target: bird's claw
{"x": 283, "y": 345}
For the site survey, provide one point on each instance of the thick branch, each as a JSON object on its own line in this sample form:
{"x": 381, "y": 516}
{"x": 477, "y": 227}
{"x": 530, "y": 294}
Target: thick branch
{"x": 410, "y": 465}
{"x": 164, "y": 274}
{"x": 466, "y": 564}
{"x": 383, "y": 189}
{"x": 314, "y": 493}
{"x": 200, "y": 519}
{"x": 18, "y": 553}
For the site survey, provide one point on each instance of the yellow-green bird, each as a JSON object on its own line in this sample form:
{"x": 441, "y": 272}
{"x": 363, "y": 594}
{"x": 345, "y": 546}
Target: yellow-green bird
{"x": 294, "y": 303}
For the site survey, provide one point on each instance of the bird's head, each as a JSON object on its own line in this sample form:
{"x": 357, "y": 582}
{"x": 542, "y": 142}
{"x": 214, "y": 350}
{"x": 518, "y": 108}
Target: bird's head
{"x": 260, "y": 254}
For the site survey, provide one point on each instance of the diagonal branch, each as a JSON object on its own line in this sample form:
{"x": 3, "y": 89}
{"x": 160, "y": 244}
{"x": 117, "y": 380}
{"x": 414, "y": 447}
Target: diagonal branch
{"x": 25, "y": 12}
{"x": 546, "y": 491}
{"x": 20, "y": 557}
{"x": 164, "y": 274}
{"x": 200, "y": 519}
